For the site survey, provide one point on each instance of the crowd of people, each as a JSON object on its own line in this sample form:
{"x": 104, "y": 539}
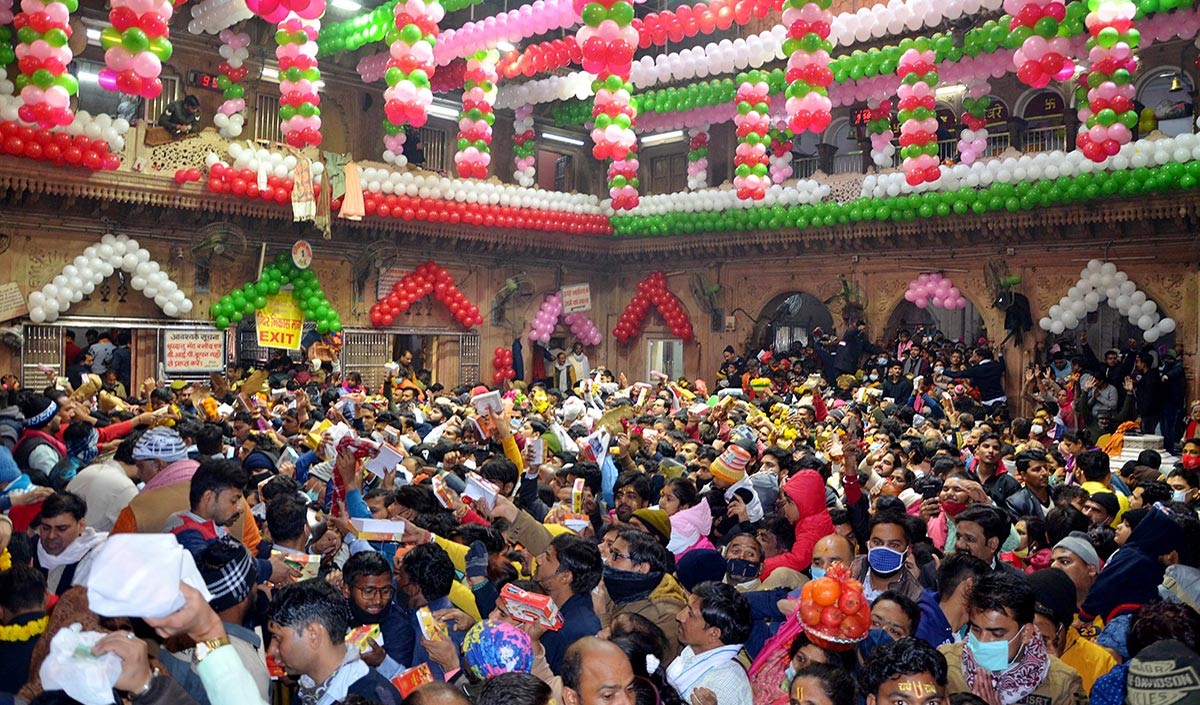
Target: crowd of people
{"x": 837, "y": 523}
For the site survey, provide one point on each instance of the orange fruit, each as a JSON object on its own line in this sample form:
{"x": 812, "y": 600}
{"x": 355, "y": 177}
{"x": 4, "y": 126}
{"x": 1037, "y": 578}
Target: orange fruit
{"x": 810, "y": 613}
{"x": 830, "y": 619}
{"x": 825, "y": 591}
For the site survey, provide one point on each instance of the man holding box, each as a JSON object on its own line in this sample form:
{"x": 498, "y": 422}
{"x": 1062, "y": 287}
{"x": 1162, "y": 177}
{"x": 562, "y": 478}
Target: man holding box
{"x": 424, "y": 576}
{"x": 569, "y": 570}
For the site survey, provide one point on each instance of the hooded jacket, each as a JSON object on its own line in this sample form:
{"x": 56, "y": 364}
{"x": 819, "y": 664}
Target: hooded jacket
{"x": 1133, "y": 574}
{"x": 807, "y": 490}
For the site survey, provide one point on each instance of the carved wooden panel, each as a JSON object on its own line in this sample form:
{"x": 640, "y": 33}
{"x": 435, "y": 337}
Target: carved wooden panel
{"x": 188, "y": 152}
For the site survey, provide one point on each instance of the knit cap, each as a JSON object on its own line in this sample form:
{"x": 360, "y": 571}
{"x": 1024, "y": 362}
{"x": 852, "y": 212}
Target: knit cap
{"x": 730, "y": 466}
{"x": 160, "y": 443}
{"x": 657, "y": 523}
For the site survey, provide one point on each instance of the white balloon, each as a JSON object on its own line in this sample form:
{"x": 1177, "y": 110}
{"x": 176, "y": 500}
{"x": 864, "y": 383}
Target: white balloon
{"x": 1166, "y": 325}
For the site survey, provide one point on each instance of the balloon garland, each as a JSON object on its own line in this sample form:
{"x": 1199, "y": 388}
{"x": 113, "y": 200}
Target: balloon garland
{"x": 524, "y": 146}
{"x": 652, "y": 291}
{"x": 540, "y": 58}
{"x": 97, "y": 262}
{"x": 299, "y": 104}
{"x": 546, "y": 319}
{"x": 513, "y": 26}
{"x": 252, "y": 296}
{"x": 212, "y": 16}
{"x": 751, "y": 174}
{"x": 6, "y": 51}
{"x": 241, "y": 179}
{"x": 918, "y": 121}
{"x": 416, "y": 285}
{"x": 780, "y": 160}
{"x": 408, "y": 95}
{"x": 972, "y": 141}
{"x": 1106, "y": 92}
{"x": 697, "y": 169}
{"x": 808, "y": 75}
{"x": 230, "y": 118}
{"x": 42, "y": 55}
{"x": 935, "y": 289}
{"x": 474, "y": 152}
{"x": 1103, "y": 281}
{"x": 607, "y": 41}
{"x": 1043, "y": 54}
{"x": 879, "y": 127}
{"x": 502, "y": 364}
{"x": 371, "y": 26}
{"x": 135, "y": 46}
{"x": 93, "y": 143}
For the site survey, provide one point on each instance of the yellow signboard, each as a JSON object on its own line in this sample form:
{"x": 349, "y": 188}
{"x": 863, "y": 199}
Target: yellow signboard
{"x": 280, "y": 323}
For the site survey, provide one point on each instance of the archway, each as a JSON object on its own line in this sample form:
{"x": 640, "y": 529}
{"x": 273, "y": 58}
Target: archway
{"x": 962, "y": 324}
{"x": 792, "y": 317}
{"x": 1167, "y": 91}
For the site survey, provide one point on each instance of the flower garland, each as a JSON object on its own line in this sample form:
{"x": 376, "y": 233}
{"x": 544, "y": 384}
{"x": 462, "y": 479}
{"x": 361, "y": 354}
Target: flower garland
{"x": 5, "y": 560}
{"x": 23, "y": 632}
{"x": 751, "y": 173}
{"x": 1106, "y": 91}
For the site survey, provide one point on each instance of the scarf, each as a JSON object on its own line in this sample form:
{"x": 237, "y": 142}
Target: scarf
{"x": 754, "y": 509}
{"x": 353, "y": 207}
{"x": 89, "y": 539}
{"x": 85, "y": 449}
{"x": 625, "y": 586}
{"x": 1021, "y": 679}
{"x": 685, "y": 676}
{"x": 335, "y": 688}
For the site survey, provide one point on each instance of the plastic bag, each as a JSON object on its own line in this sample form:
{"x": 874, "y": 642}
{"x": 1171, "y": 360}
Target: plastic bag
{"x": 72, "y": 667}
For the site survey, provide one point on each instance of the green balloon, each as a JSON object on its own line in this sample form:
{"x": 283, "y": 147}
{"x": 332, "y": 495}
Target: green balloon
{"x": 410, "y": 34}
{"x": 222, "y": 322}
{"x": 135, "y": 40}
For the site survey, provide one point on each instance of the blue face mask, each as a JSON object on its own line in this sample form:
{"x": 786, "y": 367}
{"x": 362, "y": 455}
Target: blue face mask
{"x": 885, "y": 561}
{"x": 1179, "y": 496}
{"x": 991, "y": 655}
{"x": 875, "y": 639}
{"x": 816, "y": 572}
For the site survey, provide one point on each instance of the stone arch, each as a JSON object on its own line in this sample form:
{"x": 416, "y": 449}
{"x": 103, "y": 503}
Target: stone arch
{"x": 792, "y": 315}
{"x": 973, "y": 288}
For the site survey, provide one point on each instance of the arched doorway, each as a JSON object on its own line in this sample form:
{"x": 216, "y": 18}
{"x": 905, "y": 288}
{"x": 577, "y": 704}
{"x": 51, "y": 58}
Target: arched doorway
{"x": 848, "y": 157}
{"x": 1167, "y": 92}
{"x": 1106, "y": 328}
{"x": 792, "y": 317}
{"x": 964, "y": 324}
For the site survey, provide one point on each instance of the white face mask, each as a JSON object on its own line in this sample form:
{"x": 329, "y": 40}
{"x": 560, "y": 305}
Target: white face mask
{"x": 939, "y": 369}
{"x": 1037, "y": 429}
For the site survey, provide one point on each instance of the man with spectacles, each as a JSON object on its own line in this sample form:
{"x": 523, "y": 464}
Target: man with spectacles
{"x": 367, "y": 586}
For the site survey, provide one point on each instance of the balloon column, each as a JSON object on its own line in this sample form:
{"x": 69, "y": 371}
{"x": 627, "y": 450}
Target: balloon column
{"x": 652, "y": 291}
{"x": 252, "y": 296}
{"x": 751, "y": 174}
{"x": 82, "y": 276}
{"x": 43, "y": 55}
{"x": 808, "y": 76}
{"x": 935, "y": 289}
{"x": 1102, "y": 281}
{"x": 296, "y": 52}
{"x": 1043, "y": 55}
{"x": 416, "y": 285}
{"x": 972, "y": 142}
{"x": 697, "y": 169}
{"x": 475, "y": 123}
{"x": 502, "y": 363}
{"x": 781, "y": 156}
{"x": 408, "y": 95}
{"x": 835, "y": 614}
{"x": 918, "y": 121}
{"x": 607, "y": 41}
{"x": 1106, "y": 91}
{"x": 879, "y": 126}
{"x": 135, "y": 46}
{"x": 6, "y": 51}
{"x": 524, "y": 145}
{"x": 230, "y": 118}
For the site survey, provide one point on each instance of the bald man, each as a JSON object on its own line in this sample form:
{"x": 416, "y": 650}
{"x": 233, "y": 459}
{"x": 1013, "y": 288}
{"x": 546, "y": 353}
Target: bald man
{"x": 437, "y": 693}
{"x": 828, "y": 550}
{"x": 596, "y": 672}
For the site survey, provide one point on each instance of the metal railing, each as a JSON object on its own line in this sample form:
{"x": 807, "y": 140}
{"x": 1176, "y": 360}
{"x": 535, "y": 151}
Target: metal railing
{"x": 266, "y": 119}
{"x": 997, "y": 143}
{"x": 1045, "y": 139}
{"x": 804, "y": 167}
{"x": 848, "y": 163}
{"x": 947, "y": 150}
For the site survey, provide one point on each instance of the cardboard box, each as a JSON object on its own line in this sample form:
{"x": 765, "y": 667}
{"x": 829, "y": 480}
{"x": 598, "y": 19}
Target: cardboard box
{"x": 308, "y": 564}
{"x": 386, "y": 458}
{"x": 577, "y": 496}
{"x": 432, "y": 628}
{"x": 480, "y": 490}
{"x": 362, "y": 636}
{"x": 415, "y": 677}
{"x": 378, "y": 529}
{"x": 443, "y": 493}
{"x": 531, "y": 608}
{"x": 488, "y": 402}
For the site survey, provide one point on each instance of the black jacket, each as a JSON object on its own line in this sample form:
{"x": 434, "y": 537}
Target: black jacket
{"x": 1024, "y": 504}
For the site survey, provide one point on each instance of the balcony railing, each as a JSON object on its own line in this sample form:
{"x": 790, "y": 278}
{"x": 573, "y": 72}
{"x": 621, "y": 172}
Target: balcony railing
{"x": 804, "y": 167}
{"x": 1045, "y": 139}
{"x": 848, "y": 163}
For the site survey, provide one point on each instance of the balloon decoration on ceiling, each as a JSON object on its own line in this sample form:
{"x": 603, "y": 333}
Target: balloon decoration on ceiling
{"x": 653, "y": 292}
{"x": 412, "y": 287}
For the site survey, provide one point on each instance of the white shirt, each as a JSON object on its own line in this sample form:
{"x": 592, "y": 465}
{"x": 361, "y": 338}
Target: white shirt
{"x": 106, "y": 489}
{"x": 726, "y": 679}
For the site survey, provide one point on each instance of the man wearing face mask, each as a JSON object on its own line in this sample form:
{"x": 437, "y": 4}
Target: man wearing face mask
{"x": 885, "y": 565}
{"x": 743, "y": 559}
{"x": 831, "y": 549}
{"x": 1004, "y": 658}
